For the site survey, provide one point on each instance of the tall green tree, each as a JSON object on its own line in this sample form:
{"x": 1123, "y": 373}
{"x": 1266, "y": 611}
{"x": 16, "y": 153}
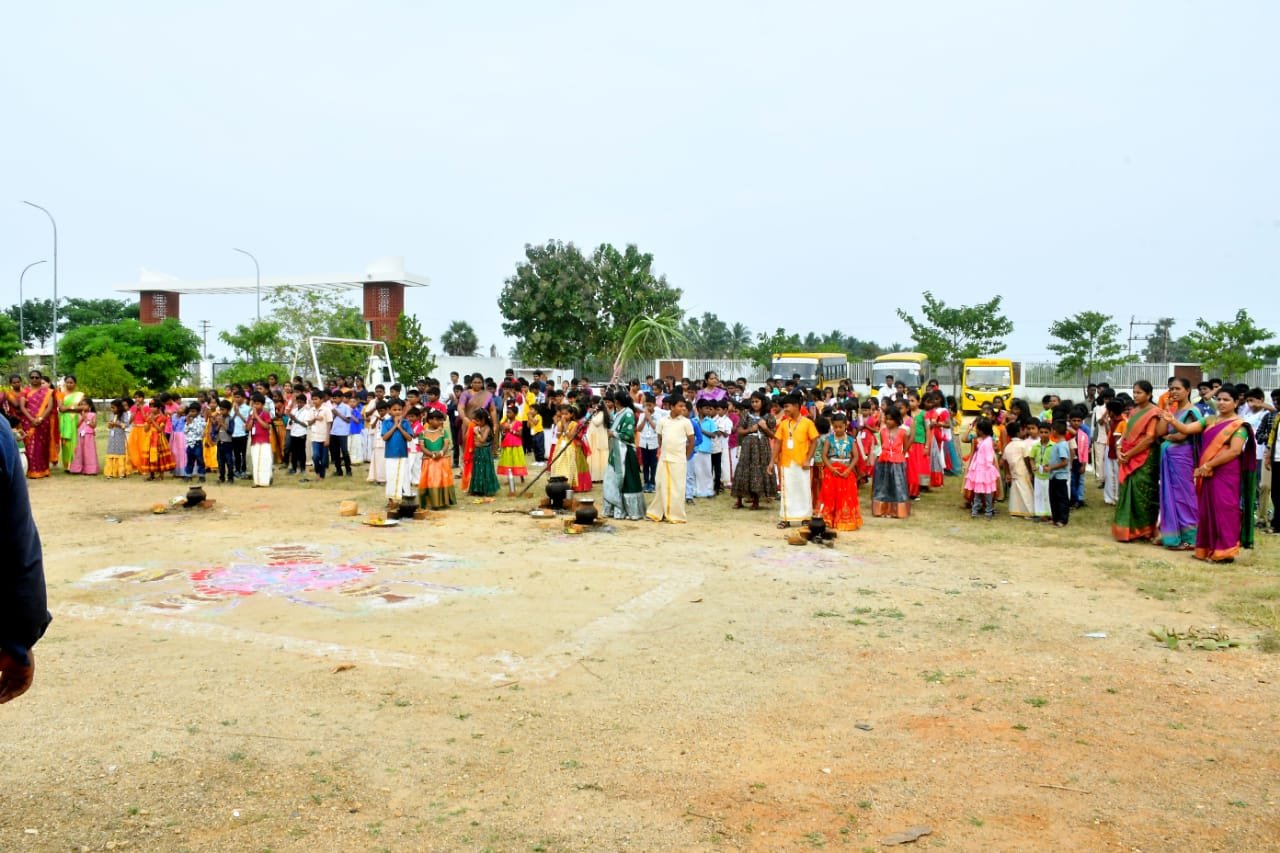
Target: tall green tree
{"x": 36, "y": 319}
{"x": 259, "y": 340}
{"x": 74, "y": 312}
{"x": 459, "y": 339}
{"x": 10, "y": 343}
{"x": 739, "y": 340}
{"x": 410, "y": 350}
{"x": 1088, "y": 344}
{"x": 707, "y": 336}
{"x": 157, "y": 355}
{"x": 766, "y": 345}
{"x": 949, "y": 335}
{"x": 307, "y": 313}
{"x": 1164, "y": 347}
{"x": 565, "y": 308}
{"x": 1231, "y": 349}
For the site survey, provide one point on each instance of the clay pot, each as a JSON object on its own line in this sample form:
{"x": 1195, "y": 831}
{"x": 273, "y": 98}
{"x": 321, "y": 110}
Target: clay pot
{"x": 408, "y": 506}
{"x": 586, "y": 513}
{"x": 817, "y": 527}
{"x": 557, "y": 490}
{"x": 195, "y": 496}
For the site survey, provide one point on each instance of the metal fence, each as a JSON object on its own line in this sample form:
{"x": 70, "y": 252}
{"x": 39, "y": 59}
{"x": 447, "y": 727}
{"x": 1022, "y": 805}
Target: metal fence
{"x": 1045, "y": 374}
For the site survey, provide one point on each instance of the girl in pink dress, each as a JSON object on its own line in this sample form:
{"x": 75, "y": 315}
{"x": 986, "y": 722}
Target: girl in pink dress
{"x": 983, "y": 473}
{"x": 85, "y": 460}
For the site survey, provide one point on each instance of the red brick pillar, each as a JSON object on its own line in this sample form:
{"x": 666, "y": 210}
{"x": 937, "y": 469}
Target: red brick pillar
{"x": 383, "y": 305}
{"x": 156, "y": 306}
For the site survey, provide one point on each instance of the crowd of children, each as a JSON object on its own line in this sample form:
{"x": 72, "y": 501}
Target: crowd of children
{"x": 656, "y": 447}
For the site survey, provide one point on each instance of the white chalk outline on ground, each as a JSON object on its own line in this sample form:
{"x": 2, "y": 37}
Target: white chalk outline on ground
{"x": 559, "y": 656}
{"x": 544, "y": 666}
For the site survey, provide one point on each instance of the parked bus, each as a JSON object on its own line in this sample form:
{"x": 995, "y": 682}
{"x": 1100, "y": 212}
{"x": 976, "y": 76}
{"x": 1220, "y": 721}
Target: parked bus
{"x": 910, "y": 368}
{"x": 983, "y": 380}
{"x": 815, "y": 369}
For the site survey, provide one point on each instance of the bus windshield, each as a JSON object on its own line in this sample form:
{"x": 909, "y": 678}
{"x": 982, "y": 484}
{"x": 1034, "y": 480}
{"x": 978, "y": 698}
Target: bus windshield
{"x": 786, "y": 368}
{"x": 904, "y": 372}
{"x": 988, "y": 378}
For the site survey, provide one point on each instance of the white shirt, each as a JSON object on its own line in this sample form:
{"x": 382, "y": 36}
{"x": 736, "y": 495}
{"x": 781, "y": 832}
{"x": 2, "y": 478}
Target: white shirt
{"x": 723, "y": 426}
{"x": 887, "y": 391}
{"x": 1254, "y": 419}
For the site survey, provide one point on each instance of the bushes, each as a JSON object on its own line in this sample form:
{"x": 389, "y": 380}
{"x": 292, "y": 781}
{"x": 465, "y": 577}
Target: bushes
{"x": 104, "y": 376}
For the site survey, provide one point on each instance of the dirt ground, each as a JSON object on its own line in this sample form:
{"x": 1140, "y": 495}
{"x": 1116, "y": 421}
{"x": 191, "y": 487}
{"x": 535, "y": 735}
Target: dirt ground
{"x": 480, "y": 680}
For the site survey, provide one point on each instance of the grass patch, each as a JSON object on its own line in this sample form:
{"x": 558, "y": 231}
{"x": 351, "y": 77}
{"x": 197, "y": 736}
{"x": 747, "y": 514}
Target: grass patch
{"x": 1036, "y": 701}
{"x": 1258, "y": 606}
{"x": 1251, "y": 597}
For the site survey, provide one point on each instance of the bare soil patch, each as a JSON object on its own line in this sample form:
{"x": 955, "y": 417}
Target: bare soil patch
{"x": 652, "y": 687}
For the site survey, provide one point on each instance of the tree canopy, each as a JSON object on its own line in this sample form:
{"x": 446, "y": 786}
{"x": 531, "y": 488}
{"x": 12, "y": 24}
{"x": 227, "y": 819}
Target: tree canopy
{"x": 1164, "y": 347}
{"x": 1089, "y": 343}
{"x": 410, "y": 350}
{"x": 74, "y": 312}
{"x": 307, "y": 313}
{"x": 1232, "y": 348}
{"x": 104, "y": 376}
{"x": 157, "y": 355}
{"x": 36, "y": 318}
{"x": 259, "y": 340}
{"x": 950, "y": 335}
{"x": 10, "y": 345}
{"x": 459, "y": 339}
{"x": 564, "y": 308}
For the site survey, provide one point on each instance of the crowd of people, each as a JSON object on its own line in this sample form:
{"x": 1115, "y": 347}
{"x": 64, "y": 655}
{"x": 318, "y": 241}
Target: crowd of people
{"x": 1189, "y": 470}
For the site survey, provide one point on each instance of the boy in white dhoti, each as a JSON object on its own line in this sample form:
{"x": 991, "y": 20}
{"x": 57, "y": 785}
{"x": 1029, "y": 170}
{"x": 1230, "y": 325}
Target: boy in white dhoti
{"x": 793, "y": 456}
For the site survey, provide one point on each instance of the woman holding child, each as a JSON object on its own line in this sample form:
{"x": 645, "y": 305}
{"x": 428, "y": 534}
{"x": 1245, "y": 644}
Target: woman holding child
{"x": 1138, "y": 501}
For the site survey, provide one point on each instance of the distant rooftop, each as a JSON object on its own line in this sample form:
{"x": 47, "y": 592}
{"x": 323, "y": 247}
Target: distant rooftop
{"x": 384, "y": 269}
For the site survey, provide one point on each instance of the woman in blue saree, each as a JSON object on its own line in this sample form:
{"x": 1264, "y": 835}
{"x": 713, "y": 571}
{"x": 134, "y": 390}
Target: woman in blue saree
{"x": 1178, "y": 507}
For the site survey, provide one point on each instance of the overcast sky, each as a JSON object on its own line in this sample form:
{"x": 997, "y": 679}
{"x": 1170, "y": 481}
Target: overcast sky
{"x": 805, "y": 165}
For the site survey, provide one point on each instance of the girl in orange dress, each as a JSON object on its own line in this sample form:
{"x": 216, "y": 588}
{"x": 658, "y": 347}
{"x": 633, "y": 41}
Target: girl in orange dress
{"x": 840, "y": 457}
{"x": 157, "y": 458}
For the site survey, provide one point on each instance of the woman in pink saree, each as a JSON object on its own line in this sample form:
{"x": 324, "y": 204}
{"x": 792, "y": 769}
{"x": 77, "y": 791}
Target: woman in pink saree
{"x": 41, "y": 427}
{"x": 1227, "y": 453}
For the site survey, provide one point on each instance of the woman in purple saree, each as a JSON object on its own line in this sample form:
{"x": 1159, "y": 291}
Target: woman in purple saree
{"x": 1179, "y": 509}
{"x": 1227, "y": 452}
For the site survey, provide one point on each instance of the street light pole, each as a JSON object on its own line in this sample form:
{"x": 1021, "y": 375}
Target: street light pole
{"x": 257, "y": 274}
{"x": 54, "y": 223}
{"x": 22, "y": 325}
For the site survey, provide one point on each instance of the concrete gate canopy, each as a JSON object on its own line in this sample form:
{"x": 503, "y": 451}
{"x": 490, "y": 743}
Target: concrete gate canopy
{"x": 383, "y": 283}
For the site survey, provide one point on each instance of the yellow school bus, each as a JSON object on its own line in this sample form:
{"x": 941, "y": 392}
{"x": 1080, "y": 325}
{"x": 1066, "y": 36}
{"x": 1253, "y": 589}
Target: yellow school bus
{"x": 983, "y": 380}
{"x": 816, "y": 369}
{"x": 909, "y": 368}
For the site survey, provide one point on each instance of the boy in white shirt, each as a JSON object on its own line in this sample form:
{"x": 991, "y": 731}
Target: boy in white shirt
{"x": 299, "y": 419}
{"x": 318, "y": 431}
{"x": 720, "y": 447}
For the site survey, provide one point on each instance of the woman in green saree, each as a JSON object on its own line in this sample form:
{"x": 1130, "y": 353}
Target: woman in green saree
{"x": 1138, "y": 502}
{"x": 68, "y": 420}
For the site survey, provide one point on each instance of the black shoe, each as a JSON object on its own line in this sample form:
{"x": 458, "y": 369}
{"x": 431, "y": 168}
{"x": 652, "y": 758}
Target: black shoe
{"x": 202, "y": 478}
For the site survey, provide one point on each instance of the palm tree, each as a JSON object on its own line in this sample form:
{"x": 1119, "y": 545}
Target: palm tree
{"x": 739, "y": 340}
{"x": 646, "y": 336}
{"x": 459, "y": 339}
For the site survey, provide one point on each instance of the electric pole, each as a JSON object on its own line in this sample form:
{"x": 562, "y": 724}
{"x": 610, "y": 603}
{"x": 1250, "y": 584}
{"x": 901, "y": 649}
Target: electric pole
{"x": 204, "y": 330}
{"x": 1134, "y": 321}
